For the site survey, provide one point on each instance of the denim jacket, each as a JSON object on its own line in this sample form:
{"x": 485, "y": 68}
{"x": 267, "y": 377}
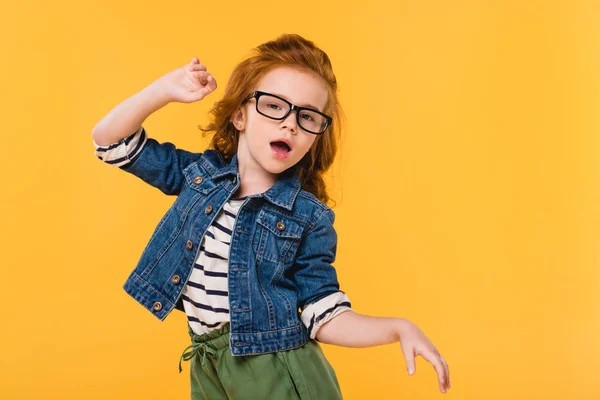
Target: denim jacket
{"x": 282, "y": 246}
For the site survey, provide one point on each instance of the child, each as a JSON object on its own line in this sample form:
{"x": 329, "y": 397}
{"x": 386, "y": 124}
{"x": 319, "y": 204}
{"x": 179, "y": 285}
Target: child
{"x": 246, "y": 249}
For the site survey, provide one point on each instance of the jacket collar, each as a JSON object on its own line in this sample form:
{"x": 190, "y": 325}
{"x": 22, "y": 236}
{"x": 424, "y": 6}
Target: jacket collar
{"x": 282, "y": 193}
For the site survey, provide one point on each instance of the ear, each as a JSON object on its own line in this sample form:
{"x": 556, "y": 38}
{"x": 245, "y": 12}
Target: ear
{"x": 238, "y": 119}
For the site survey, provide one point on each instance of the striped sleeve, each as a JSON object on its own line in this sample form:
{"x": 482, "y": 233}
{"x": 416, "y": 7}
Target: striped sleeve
{"x": 123, "y": 151}
{"x": 318, "y": 313}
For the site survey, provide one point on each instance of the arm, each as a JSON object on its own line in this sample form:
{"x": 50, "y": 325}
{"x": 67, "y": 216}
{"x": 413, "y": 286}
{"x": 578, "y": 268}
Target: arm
{"x": 320, "y": 299}
{"x": 159, "y": 164}
{"x": 352, "y": 329}
{"x": 121, "y": 141}
{"x": 186, "y": 84}
{"x": 317, "y": 286}
{"x": 128, "y": 116}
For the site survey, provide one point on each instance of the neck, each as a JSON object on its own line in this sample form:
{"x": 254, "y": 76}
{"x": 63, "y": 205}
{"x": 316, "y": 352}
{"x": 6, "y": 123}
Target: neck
{"x": 254, "y": 179}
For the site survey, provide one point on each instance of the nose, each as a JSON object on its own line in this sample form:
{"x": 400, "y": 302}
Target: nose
{"x": 290, "y": 121}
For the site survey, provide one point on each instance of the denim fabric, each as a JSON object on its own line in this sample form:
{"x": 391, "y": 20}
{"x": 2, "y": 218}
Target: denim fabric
{"x": 282, "y": 247}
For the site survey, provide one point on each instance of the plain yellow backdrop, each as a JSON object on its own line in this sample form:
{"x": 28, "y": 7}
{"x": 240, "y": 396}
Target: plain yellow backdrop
{"x": 467, "y": 189}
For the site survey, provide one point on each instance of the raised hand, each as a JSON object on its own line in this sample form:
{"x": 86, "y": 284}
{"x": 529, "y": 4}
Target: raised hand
{"x": 189, "y": 83}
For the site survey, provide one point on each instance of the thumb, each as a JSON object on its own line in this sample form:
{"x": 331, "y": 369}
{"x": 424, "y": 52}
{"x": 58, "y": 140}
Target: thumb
{"x": 194, "y": 61}
{"x": 205, "y": 91}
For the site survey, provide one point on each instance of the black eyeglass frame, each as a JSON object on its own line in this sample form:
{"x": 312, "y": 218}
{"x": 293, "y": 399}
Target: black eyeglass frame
{"x": 257, "y": 93}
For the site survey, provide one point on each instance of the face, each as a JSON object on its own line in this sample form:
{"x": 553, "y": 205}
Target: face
{"x": 259, "y": 134}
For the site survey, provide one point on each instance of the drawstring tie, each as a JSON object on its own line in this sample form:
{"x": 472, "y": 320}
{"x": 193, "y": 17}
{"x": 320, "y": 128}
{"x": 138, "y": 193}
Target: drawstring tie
{"x": 196, "y": 347}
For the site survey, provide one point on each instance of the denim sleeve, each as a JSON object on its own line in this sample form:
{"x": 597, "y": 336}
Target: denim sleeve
{"x": 159, "y": 164}
{"x": 319, "y": 294}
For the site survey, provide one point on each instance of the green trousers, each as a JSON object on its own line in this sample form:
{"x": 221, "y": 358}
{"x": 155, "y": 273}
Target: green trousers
{"x": 301, "y": 373}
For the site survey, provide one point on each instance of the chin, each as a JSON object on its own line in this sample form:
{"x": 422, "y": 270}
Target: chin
{"x": 277, "y": 167}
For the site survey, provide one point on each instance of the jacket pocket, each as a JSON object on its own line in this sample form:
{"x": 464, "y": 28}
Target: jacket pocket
{"x": 277, "y": 236}
{"x": 198, "y": 179}
{"x": 197, "y": 186}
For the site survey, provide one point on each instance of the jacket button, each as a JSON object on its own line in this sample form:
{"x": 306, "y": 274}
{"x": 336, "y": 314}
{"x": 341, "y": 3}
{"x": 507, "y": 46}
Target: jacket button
{"x": 198, "y": 180}
{"x": 189, "y": 244}
{"x": 280, "y": 225}
{"x": 157, "y": 306}
{"x": 234, "y": 180}
{"x": 175, "y": 279}
{"x": 208, "y": 209}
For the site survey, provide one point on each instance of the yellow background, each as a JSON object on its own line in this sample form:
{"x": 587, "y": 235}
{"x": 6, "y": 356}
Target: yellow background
{"x": 467, "y": 186}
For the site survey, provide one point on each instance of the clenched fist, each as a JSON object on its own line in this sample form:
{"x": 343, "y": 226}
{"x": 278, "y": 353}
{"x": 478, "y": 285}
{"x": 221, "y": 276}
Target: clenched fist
{"x": 189, "y": 83}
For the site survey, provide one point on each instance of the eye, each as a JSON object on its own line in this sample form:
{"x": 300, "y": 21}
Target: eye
{"x": 271, "y": 104}
{"x": 307, "y": 115}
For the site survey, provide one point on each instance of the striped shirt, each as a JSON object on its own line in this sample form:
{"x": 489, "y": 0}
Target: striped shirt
{"x": 205, "y": 296}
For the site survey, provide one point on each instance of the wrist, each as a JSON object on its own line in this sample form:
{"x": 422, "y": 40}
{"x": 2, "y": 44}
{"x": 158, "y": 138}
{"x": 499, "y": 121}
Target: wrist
{"x": 159, "y": 93}
{"x": 400, "y": 327}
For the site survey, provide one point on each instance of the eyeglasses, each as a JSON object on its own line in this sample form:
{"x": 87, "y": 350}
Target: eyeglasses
{"x": 278, "y": 108}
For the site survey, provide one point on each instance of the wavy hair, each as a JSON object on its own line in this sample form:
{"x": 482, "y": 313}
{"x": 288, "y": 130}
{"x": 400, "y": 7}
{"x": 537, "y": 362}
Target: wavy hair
{"x": 290, "y": 50}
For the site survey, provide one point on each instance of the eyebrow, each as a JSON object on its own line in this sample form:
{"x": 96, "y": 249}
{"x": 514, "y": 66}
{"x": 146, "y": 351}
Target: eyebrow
{"x": 301, "y": 105}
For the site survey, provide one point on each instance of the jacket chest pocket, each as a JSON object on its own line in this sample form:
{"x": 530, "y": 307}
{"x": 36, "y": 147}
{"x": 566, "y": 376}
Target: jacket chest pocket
{"x": 277, "y": 236}
{"x": 198, "y": 184}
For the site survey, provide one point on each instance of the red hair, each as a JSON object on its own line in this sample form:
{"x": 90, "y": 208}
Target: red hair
{"x": 289, "y": 50}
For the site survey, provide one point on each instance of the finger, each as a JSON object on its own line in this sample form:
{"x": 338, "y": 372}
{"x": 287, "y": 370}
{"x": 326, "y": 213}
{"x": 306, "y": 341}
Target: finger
{"x": 210, "y": 86}
{"x": 436, "y": 361}
{"x": 409, "y": 358}
{"x": 196, "y": 67}
{"x": 194, "y": 61}
{"x": 437, "y": 353}
{"x": 445, "y": 364}
{"x": 202, "y": 76}
{"x": 205, "y": 91}
{"x": 212, "y": 82}
{"x": 447, "y": 370}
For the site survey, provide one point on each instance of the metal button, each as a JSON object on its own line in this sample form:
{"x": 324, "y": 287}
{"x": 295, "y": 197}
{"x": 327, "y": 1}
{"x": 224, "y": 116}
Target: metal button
{"x": 157, "y": 306}
{"x": 234, "y": 180}
{"x": 175, "y": 279}
{"x": 208, "y": 209}
{"x": 280, "y": 225}
{"x": 189, "y": 244}
{"x": 198, "y": 179}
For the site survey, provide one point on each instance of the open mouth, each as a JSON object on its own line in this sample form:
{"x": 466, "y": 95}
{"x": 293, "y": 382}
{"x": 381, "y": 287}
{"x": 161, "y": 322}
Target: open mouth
{"x": 280, "y": 147}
